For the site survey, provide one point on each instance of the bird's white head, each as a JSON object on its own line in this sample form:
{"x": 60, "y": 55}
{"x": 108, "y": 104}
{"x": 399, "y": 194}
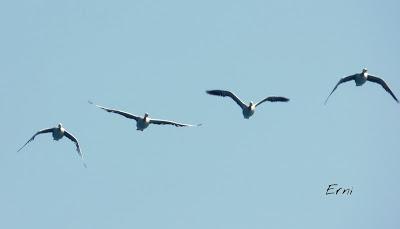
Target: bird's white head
{"x": 364, "y": 70}
{"x": 60, "y": 125}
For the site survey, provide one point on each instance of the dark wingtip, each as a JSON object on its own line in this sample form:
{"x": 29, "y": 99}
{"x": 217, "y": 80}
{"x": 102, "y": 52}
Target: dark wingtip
{"x": 278, "y": 99}
{"x": 326, "y": 100}
{"x": 215, "y": 92}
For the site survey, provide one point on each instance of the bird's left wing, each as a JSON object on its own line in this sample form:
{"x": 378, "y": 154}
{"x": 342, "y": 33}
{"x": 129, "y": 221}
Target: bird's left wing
{"x": 37, "y": 133}
{"x": 224, "y": 93}
{"x": 383, "y": 84}
{"x": 342, "y": 80}
{"x": 123, "y": 113}
{"x": 273, "y": 99}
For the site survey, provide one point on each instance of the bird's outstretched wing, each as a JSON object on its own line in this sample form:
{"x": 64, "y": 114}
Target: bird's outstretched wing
{"x": 273, "y": 99}
{"x": 229, "y": 94}
{"x": 123, "y": 113}
{"x": 72, "y": 138}
{"x": 166, "y": 122}
{"x": 383, "y": 84}
{"x": 342, "y": 80}
{"x": 37, "y": 133}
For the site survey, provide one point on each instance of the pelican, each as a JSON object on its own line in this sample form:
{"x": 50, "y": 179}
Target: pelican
{"x": 360, "y": 79}
{"x": 247, "y": 110}
{"x": 143, "y": 122}
{"x": 58, "y": 132}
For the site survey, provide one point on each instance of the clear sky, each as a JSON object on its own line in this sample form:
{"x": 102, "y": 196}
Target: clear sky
{"x": 271, "y": 171}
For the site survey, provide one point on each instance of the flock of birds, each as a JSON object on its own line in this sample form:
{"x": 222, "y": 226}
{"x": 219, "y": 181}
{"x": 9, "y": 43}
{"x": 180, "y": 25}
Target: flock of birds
{"x": 142, "y": 123}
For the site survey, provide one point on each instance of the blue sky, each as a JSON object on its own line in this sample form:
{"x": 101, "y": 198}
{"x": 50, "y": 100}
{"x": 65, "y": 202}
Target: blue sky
{"x": 159, "y": 57}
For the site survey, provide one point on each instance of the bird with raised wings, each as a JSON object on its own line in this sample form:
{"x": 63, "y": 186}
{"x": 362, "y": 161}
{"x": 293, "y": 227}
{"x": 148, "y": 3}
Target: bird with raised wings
{"x": 247, "y": 110}
{"x": 360, "y": 79}
{"x": 143, "y": 122}
{"x": 58, "y": 132}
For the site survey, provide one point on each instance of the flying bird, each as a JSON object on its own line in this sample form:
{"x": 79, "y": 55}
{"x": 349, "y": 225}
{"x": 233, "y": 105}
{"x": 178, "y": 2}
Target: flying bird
{"x": 58, "y": 132}
{"x": 143, "y": 122}
{"x": 247, "y": 110}
{"x": 360, "y": 79}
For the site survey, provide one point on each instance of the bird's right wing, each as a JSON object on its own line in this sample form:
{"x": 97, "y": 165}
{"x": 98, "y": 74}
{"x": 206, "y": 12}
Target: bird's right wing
{"x": 123, "y": 113}
{"x": 37, "y": 133}
{"x": 273, "y": 99}
{"x": 72, "y": 138}
{"x": 167, "y": 122}
{"x": 342, "y": 80}
{"x": 229, "y": 94}
{"x": 383, "y": 84}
